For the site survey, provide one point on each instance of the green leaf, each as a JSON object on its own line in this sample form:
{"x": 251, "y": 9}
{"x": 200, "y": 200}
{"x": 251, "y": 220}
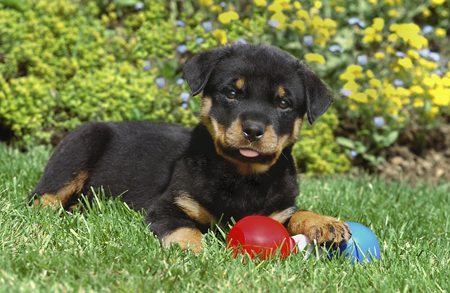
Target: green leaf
{"x": 378, "y": 137}
{"x": 360, "y": 148}
{"x": 345, "y": 142}
{"x": 391, "y": 138}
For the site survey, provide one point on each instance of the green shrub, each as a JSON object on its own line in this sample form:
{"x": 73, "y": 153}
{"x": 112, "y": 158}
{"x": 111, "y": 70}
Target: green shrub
{"x": 316, "y": 152}
{"x": 64, "y": 64}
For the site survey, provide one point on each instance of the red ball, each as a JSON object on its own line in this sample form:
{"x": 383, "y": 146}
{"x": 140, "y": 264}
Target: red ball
{"x": 261, "y": 237}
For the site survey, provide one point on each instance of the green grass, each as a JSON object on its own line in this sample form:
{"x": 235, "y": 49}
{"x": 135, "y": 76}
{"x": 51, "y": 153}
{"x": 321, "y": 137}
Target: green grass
{"x": 109, "y": 249}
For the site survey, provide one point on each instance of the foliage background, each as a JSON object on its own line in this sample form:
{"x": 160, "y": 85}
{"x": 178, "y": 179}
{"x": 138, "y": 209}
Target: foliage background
{"x": 63, "y": 63}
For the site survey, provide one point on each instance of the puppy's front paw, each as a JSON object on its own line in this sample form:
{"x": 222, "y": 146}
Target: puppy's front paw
{"x": 186, "y": 238}
{"x": 325, "y": 230}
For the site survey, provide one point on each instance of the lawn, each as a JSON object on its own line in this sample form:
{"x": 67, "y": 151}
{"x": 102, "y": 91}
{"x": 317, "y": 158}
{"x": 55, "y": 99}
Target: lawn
{"x": 109, "y": 249}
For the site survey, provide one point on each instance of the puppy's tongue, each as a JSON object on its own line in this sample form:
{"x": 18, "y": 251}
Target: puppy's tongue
{"x": 248, "y": 153}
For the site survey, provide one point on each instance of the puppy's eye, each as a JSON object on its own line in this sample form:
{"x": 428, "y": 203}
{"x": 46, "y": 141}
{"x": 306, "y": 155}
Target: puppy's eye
{"x": 283, "y": 104}
{"x": 231, "y": 94}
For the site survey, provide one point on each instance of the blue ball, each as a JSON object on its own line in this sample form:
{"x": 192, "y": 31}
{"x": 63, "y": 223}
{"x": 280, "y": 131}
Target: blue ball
{"x": 362, "y": 245}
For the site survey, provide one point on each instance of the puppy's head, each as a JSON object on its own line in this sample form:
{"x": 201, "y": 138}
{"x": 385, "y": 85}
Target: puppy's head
{"x": 254, "y": 100}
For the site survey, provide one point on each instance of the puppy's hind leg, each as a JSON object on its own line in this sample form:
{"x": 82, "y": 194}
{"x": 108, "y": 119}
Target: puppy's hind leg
{"x": 67, "y": 171}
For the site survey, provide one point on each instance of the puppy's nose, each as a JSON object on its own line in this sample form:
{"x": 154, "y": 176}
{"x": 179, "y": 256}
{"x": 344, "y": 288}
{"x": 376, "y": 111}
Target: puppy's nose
{"x": 253, "y": 131}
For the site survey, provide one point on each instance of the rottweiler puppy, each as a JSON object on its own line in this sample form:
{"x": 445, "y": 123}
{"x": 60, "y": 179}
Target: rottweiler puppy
{"x": 236, "y": 162}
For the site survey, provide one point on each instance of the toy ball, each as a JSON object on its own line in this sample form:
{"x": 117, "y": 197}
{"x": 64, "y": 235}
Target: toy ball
{"x": 362, "y": 245}
{"x": 260, "y": 237}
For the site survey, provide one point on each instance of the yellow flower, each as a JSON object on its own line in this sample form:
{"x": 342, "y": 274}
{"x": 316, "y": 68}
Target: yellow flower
{"x": 281, "y": 18}
{"x": 441, "y": 33}
{"x": 401, "y": 91}
{"x": 221, "y": 35}
{"x": 369, "y": 73}
{"x": 405, "y": 62}
{"x": 379, "y": 55}
{"x": 418, "y": 42}
{"x": 261, "y": 3}
{"x": 284, "y": 3}
{"x": 227, "y": 17}
{"x": 359, "y": 97}
{"x": 434, "y": 110}
{"x": 373, "y": 2}
{"x": 393, "y": 13}
{"x": 417, "y": 89}
{"x": 413, "y": 54}
{"x": 397, "y": 101}
{"x": 205, "y": 3}
{"x": 302, "y": 14}
{"x": 368, "y": 39}
{"x": 351, "y": 85}
{"x": 347, "y": 76}
{"x": 300, "y": 24}
{"x": 275, "y": 7}
{"x": 216, "y": 8}
{"x": 328, "y": 22}
{"x": 437, "y": 2}
{"x": 446, "y": 81}
{"x": 370, "y": 31}
{"x": 378, "y": 24}
{"x": 314, "y": 57}
{"x": 316, "y": 21}
{"x": 355, "y": 69}
{"x": 339, "y": 9}
{"x": 371, "y": 93}
{"x": 375, "y": 83}
{"x": 441, "y": 96}
{"x": 297, "y": 5}
{"x": 392, "y": 38}
{"x": 426, "y": 12}
{"x": 418, "y": 103}
{"x": 409, "y": 33}
{"x": 317, "y": 4}
{"x": 428, "y": 81}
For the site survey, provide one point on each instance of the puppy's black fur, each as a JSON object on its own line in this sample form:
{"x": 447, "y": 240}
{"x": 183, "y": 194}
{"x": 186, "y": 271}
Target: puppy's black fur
{"x": 236, "y": 162}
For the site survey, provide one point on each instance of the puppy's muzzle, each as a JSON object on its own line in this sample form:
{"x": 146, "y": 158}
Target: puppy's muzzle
{"x": 253, "y": 131}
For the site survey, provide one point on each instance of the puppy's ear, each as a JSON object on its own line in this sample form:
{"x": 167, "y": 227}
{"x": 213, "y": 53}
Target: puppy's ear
{"x": 318, "y": 97}
{"x": 198, "y": 69}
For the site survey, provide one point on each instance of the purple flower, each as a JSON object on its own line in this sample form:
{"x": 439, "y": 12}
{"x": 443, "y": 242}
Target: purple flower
{"x": 273, "y": 22}
{"x": 435, "y": 56}
{"x": 427, "y": 29}
{"x": 182, "y": 48}
{"x": 179, "y": 81}
{"x": 139, "y": 6}
{"x": 308, "y": 40}
{"x": 346, "y": 92}
{"x": 355, "y": 20}
{"x": 362, "y": 59}
{"x": 184, "y": 105}
{"x": 160, "y": 82}
{"x": 379, "y": 121}
{"x": 185, "y": 96}
{"x": 353, "y": 153}
{"x": 424, "y": 53}
{"x": 398, "y": 82}
{"x": 241, "y": 40}
{"x": 222, "y": 4}
{"x": 400, "y": 54}
{"x": 180, "y": 23}
{"x": 147, "y": 65}
{"x": 335, "y": 48}
{"x": 207, "y": 26}
{"x": 199, "y": 40}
